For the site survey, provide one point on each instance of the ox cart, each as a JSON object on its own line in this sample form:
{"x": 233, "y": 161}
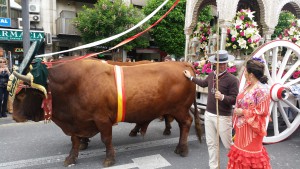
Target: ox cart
{"x": 284, "y": 89}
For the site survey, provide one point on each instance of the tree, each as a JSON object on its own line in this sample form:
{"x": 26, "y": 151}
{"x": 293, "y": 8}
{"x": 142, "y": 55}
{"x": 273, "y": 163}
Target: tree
{"x": 284, "y": 22}
{"x": 169, "y": 35}
{"x": 108, "y": 18}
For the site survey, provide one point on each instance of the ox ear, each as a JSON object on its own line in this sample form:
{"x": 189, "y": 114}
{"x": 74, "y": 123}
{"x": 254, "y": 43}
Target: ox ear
{"x": 27, "y": 78}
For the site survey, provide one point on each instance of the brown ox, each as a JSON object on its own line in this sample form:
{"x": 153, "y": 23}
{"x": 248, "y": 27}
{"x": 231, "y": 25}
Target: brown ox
{"x": 84, "y": 100}
{"x": 137, "y": 128}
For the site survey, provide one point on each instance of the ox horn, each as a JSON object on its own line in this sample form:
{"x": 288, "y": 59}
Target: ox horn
{"x": 25, "y": 78}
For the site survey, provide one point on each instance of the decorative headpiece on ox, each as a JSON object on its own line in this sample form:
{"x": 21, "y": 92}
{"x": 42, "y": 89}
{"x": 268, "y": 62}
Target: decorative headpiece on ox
{"x": 85, "y": 100}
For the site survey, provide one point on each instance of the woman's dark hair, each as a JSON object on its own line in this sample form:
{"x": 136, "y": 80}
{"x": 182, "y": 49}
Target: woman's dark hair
{"x": 257, "y": 69}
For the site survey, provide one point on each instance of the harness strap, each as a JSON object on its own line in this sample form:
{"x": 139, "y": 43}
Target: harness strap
{"x": 119, "y": 78}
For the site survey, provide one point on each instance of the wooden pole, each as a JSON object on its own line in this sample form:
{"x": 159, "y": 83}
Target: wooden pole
{"x": 217, "y": 89}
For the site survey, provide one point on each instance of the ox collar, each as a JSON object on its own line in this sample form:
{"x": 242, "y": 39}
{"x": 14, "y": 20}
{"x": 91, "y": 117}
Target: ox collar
{"x": 119, "y": 78}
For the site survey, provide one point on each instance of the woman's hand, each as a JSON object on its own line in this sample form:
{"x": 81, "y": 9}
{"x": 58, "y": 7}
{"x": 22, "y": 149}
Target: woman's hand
{"x": 238, "y": 111}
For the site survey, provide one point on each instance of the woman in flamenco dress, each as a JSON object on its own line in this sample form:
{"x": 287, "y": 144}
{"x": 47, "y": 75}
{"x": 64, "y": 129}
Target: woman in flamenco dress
{"x": 249, "y": 121}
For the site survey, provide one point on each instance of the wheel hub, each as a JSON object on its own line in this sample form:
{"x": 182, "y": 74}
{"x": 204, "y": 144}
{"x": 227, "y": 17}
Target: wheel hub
{"x": 278, "y": 92}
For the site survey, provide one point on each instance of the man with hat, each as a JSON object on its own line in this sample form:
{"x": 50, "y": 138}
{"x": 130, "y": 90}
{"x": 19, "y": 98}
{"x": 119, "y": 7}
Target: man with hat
{"x": 228, "y": 88}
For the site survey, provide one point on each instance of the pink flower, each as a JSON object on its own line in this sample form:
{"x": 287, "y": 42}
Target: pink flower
{"x": 293, "y": 23}
{"x": 238, "y": 26}
{"x": 249, "y": 40}
{"x": 228, "y": 31}
{"x": 242, "y": 33}
{"x": 294, "y": 39}
{"x": 196, "y": 64}
{"x": 242, "y": 17}
{"x": 296, "y": 74}
{"x": 231, "y": 69}
{"x": 232, "y": 39}
{"x": 209, "y": 70}
{"x": 206, "y": 68}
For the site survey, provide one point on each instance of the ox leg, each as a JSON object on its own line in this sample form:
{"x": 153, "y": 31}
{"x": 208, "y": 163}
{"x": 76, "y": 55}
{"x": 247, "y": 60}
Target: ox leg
{"x": 73, "y": 155}
{"x": 184, "y": 122}
{"x": 135, "y": 130}
{"x": 144, "y": 127}
{"x": 106, "y": 138}
{"x": 168, "y": 120}
{"x": 84, "y": 143}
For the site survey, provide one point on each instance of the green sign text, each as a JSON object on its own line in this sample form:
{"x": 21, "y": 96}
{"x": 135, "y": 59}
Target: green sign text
{"x": 17, "y": 35}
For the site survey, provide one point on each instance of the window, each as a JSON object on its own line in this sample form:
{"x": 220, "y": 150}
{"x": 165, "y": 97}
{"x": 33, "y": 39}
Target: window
{"x": 14, "y": 14}
{"x": 3, "y": 8}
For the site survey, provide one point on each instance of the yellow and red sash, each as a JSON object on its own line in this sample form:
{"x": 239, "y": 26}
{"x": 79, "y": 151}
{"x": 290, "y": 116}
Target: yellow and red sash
{"x": 121, "y": 94}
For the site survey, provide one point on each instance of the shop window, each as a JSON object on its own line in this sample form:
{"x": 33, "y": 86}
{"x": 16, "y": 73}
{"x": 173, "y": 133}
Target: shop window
{"x": 3, "y": 8}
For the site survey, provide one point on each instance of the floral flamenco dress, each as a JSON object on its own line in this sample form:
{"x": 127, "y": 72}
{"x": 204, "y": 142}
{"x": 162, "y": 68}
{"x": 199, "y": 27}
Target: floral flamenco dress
{"x": 248, "y": 151}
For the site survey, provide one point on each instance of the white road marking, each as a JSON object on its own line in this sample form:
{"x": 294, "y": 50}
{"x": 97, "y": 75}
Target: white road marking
{"x": 147, "y": 162}
{"x": 91, "y": 153}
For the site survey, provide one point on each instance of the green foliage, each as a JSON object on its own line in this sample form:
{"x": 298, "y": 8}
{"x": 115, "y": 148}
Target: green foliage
{"x": 205, "y": 15}
{"x": 169, "y": 34}
{"x": 108, "y": 18}
{"x": 284, "y": 22}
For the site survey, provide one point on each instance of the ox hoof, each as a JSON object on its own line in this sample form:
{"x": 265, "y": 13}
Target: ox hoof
{"x": 108, "y": 162}
{"x": 83, "y": 146}
{"x": 133, "y": 133}
{"x": 183, "y": 152}
{"x": 167, "y": 132}
{"x": 84, "y": 143}
{"x": 69, "y": 161}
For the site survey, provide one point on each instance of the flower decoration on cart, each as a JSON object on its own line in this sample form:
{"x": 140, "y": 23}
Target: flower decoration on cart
{"x": 243, "y": 34}
{"x": 232, "y": 68}
{"x": 292, "y": 33}
{"x": 296, "y": 73}
{"x": 204, "y": 67}
{"x": 202, "y": 32}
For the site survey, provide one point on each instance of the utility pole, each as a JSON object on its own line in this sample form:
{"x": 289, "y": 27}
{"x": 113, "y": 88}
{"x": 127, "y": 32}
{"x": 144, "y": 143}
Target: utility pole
{"x": 26, "y": 26}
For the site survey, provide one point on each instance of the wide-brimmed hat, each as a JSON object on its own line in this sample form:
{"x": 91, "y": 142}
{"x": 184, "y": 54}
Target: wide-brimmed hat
{"x": 224, "y": 57}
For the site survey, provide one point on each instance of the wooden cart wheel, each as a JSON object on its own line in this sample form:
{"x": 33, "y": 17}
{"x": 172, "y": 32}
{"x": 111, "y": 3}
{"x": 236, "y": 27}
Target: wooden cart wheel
{"x": 284, "y": 107}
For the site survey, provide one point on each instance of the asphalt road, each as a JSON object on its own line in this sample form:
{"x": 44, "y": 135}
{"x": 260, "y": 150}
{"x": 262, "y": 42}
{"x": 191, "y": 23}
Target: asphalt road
{"x": 38, "y": 145}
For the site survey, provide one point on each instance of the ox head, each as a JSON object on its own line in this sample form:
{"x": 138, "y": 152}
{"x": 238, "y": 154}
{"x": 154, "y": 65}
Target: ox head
{"x": 27, "y": 102}
{"x": 27, "y": 105}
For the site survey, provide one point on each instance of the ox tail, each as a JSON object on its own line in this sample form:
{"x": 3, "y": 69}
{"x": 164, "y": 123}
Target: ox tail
{"x": 198, "y": 127}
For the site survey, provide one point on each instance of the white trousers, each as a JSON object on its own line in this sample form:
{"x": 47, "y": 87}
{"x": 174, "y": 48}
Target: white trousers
{"x": 225, "y": 131}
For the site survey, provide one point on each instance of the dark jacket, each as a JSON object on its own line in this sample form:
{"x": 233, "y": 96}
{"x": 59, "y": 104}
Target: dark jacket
{"x": 228, "y": 85}
{"x": 4, "y": 75}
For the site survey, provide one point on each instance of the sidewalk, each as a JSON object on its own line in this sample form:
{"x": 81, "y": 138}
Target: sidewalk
{"x": 7, "y": 120}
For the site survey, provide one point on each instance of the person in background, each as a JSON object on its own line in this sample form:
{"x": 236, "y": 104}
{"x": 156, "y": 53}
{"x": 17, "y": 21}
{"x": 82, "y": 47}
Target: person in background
{"x": 128, "y": 59}
{"x": 9, "y": 85}
{"x": 4, "y": 75}
{"x": 167, "y": 58}
{"x": 249, "y": 120}
{"x": 228, "y": 88}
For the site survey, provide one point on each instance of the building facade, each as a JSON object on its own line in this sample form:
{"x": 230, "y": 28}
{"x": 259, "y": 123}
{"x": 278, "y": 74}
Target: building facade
{"x": 49, "y": 20}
